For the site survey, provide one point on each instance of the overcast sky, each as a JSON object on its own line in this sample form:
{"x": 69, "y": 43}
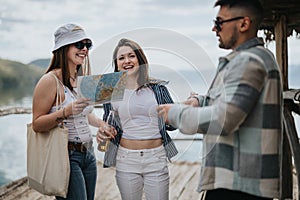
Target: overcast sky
{"x": 27, "y": 26}
{"x": 175, "y": 33}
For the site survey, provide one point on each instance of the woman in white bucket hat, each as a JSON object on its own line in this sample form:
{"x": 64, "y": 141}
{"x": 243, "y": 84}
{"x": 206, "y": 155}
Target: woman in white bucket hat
{"x": 70, "y": 58}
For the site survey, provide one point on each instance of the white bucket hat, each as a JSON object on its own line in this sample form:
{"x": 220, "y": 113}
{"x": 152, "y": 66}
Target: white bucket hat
{"x": 68, "y": 34}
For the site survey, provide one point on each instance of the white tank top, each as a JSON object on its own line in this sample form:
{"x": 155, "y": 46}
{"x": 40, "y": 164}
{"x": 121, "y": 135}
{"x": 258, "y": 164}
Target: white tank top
{"x": 78, "y": 127}
{"x": 138, "y": 114}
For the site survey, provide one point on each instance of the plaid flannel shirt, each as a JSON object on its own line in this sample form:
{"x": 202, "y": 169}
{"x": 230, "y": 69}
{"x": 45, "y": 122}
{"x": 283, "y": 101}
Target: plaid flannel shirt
{"x": 241, "y": 117}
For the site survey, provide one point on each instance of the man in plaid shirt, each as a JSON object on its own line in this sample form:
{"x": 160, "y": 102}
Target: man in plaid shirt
{"x": 241, "y": 114}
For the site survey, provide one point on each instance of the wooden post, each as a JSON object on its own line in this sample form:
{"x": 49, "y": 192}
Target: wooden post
{"x": 286, "y": 181}
{"x": 281, "y": 49}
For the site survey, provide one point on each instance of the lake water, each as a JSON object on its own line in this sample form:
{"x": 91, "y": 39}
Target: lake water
{"x": 13, "y": 144}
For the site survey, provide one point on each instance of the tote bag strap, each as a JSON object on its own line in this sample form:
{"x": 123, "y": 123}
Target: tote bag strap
{"x": 58, "y": 101}
{"x": 58, "y": 94}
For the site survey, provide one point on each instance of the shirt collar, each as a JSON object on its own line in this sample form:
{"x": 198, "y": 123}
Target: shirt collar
{"x": 250, "y": 43}
{"x": 246, "y": 45}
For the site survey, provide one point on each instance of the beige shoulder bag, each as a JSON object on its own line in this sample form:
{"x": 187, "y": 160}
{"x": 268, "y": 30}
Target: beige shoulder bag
{"x": 48, "y": 167}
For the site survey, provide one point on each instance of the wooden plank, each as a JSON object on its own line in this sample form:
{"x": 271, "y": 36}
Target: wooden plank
{"x": 181, "y": 177}
{"x": 106, "y": 187}
{"x": 184, "y": 177}
{"x": 19, "y": 190}
{"x": 189, "y": 184}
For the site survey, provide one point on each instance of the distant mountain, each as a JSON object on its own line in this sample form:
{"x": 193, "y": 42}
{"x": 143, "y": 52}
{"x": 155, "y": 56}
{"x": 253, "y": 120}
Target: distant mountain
{"x": 43, "y": 63}
{"x": 16, "y": 75}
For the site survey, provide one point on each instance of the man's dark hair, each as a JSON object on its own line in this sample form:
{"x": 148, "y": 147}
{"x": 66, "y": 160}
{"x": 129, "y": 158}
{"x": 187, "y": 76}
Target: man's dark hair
{"x": 254, "y": 7}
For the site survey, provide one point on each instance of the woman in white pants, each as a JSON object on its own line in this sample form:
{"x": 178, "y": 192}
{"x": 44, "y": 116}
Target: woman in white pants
{"x": 142, "y": 147}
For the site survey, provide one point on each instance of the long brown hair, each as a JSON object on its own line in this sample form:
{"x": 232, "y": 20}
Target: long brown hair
{"x": 60, "y": 61}
{"x": 143, "y": 62}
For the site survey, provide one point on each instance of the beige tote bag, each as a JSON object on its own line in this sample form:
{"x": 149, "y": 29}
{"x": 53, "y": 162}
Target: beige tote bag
{"x": 48, "y": 167}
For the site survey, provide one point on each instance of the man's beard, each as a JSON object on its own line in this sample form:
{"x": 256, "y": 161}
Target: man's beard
{"x": 232, "y": 41}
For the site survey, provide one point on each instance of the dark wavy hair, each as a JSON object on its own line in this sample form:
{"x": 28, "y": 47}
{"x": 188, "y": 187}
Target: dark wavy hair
{"x": 60, "y": 61}
{"x": 143, "y": 62}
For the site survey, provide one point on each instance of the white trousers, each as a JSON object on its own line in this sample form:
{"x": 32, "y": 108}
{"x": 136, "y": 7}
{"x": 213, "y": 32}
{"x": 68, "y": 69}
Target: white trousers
{"x": 138, "y": 170}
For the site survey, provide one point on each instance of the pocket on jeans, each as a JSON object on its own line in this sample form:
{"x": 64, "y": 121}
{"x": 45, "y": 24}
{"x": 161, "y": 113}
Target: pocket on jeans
{"x": 159, "y": 159}
{"x": 156, "y": 163}
{"x": 161, "y": 155}
{"x": 121, "y": 155}
{"x": 126, "y": 163}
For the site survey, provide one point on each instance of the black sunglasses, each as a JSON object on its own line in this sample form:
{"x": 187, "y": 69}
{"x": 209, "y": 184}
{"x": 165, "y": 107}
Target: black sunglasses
{"x": 219, "y": 22}
{"x": 80, "y": 45}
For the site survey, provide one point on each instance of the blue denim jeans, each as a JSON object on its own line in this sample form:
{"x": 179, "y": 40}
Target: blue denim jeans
{"x": 83, "y": 176}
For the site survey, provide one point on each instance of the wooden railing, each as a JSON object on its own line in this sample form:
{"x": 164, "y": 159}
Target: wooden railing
{"x": 290, "y": 144}
{"x": 14, "y": 110}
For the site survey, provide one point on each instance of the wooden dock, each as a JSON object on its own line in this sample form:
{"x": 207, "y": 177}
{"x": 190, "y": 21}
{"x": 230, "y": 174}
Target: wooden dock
{"x": 184, "y": 178}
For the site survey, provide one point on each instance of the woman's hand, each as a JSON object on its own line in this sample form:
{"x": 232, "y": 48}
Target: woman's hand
{"x": 105, "y": 131}
{"x": 163, "y": 111}
{"x": 76, "y": 107}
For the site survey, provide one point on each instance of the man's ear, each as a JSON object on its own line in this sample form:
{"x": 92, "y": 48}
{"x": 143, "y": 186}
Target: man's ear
{"x": 245, "y": 25}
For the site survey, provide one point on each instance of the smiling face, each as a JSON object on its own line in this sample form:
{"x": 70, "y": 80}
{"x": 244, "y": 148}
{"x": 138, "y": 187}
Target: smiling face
{"x": 127, "y": 60}
{"x": 76, "y": 56}
{"x": 128, "y": 55}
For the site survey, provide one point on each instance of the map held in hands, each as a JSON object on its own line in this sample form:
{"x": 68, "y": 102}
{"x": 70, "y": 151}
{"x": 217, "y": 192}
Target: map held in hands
{"x": 102, "y": 88}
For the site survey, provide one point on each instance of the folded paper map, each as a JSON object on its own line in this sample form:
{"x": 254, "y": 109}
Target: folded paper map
{"x": 102, "y": 88}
